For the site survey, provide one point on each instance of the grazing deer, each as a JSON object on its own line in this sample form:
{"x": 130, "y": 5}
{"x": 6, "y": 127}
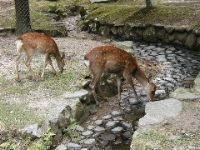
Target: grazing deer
{"x": 110, "y": 59}
{"x": 33, "y": 43}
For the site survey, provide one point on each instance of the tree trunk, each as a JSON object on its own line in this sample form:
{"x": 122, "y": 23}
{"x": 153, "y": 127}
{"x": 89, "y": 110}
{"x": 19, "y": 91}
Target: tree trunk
{"x": 148, "y": 4}
{"x": 23, "y": 23}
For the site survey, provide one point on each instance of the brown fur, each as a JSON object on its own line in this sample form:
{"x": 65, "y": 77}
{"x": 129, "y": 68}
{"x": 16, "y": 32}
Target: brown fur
{"x": 39, "y": 43}
{"x": 110, "y": 59}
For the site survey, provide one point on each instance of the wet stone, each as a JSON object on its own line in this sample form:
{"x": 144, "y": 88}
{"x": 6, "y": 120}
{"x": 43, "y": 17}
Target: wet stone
{"x": 111, "y": 124}
{"x": 116, "y": 113}
{"x": 161, "y": 58}
{"x": 107, "y": 137}
{"x": 159, "y": 49}
{"x": 117, "y": 130}
{"x": 99, "y": 129}
{"x": 80, "y": 129}
{"x": 127, "y": 135}
{"x": 74, "y": 146}
{"x": 160, "y": 94}
{"x": 126, "y": 126}
{"x": 87, "y": 133}
{"x": 133, "y": 101}
{"x": 98, "y": 122}
{"x": 90, "y": 127}
{"x": 118, "y": 118}
{"x": 107, "y": 117}
{"x": 89, "y": 142}
{"x": 150, "y": 47}
{"x": 61, "y": 147}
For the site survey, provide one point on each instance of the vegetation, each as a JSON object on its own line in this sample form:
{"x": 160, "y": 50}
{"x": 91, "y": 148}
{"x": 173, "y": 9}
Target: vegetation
{"x": 165, "y": 140}
{"x": 168, "y": 15}
{"x": 15, "y": 116}
{"x": 71, "y": 133}
{"x": 43, "y": 143}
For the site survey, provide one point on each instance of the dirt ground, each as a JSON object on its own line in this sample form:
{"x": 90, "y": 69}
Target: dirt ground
{"x": 41, "y": 96}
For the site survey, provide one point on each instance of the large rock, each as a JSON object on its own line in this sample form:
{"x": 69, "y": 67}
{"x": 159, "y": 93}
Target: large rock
{"x": 32, "y": 130}
{"x": 158, "y": 111}
{"x": 77, "y": 94}
{"x": 184, "y": 94}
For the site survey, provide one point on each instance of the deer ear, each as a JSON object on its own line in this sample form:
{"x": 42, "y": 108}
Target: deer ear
{"x": 62, "y": 55}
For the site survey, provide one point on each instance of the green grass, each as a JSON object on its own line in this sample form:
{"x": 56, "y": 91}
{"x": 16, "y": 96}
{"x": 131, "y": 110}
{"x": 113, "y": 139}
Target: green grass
{"x": 39, "y": 19}
{"x": 161, "y": 140}
{"x": 14, "y": 116}
{"x": 161, "y": 14}
{"x": 58, "y": 84}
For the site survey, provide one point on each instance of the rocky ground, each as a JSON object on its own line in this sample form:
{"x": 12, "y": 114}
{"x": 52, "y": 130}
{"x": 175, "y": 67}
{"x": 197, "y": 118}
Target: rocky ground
{"x": 113, "y": 124}
{"x": 169, "y": 66}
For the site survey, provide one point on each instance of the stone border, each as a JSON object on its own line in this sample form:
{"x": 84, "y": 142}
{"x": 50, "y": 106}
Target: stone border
{"x": 54, "y": 33}
{"x": 150, "y": 33}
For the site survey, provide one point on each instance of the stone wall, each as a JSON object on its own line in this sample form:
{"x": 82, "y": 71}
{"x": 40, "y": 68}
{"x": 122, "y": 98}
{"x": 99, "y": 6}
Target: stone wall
{"x": 149, "y": 33}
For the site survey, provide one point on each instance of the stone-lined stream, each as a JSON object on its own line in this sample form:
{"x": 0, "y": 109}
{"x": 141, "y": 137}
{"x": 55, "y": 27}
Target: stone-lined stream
{"x": 115, "y": 129}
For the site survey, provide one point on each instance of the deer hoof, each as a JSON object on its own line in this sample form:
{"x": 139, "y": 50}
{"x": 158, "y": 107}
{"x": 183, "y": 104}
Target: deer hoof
{"x": 17, "y": 79}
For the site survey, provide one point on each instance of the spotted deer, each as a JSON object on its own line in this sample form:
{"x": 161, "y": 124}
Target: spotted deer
{"x": 110, "y": 59}
{"x": 33, "y": 43}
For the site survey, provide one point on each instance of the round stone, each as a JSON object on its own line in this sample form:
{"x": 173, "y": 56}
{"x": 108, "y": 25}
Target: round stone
{"x": 118, "y": 118}
{"x": 116, "y": 113}
{"x": 127, "y": 135}
{"x": 90, "y": 127}
{"x": 98, "y": 122}
{"x": 61, "y": 147}
{"x": 87, "y": 133}
{"x": 99, "y": 129}
{"x": 107, "y": 117}
{"x": 74, "y": 146}
{"x": 133, "y": 101}
{"x": 117, "y": 130}
{"x": 110, "y": 124}
{"x": 80, "y": 129}
{"x": 89, "y": 142}
{"x": 126, "y": 126}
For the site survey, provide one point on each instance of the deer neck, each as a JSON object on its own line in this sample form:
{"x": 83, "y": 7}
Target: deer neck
{"x": 141, "y": 78}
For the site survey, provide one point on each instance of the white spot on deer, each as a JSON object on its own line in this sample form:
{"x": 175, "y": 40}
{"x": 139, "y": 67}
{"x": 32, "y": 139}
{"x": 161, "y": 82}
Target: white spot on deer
{"x": 19, "y": 45}
{"x": 87, "y": 63}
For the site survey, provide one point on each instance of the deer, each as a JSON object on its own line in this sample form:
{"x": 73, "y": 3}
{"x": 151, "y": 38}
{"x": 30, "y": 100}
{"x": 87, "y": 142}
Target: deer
{"x": 33, "y": 43}
{"x": 110, "y": 59}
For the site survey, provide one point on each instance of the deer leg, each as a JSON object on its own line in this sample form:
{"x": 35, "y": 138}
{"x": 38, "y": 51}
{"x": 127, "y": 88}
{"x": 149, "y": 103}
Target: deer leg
{"x": 45, "y": 64}
{"x": 119, "y": 88}
{"x": 95, "y": 81}
{"x": 50, "y": 62}
{"x": 17, "y": 66}
{"x": 28, "y": 64}
{"x": 129, "y": 80}
{"x": 100, "y": 90}
{"x": 93, "y": 87}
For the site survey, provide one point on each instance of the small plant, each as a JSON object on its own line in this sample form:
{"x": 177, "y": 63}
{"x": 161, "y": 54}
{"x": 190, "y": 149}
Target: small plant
{"x": 10, "y": 145}
{"x": 71, "y": 131}
{"x": 44, "y": 143}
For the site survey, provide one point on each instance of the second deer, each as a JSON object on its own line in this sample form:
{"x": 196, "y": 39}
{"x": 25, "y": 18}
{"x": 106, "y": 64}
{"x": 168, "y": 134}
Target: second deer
{"x": 33, "y": 43}
{"x": 110, "y": 59}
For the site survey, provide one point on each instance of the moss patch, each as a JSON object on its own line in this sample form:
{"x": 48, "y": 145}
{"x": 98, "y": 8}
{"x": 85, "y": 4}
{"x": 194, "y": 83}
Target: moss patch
{"x": 161, "y": 14}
